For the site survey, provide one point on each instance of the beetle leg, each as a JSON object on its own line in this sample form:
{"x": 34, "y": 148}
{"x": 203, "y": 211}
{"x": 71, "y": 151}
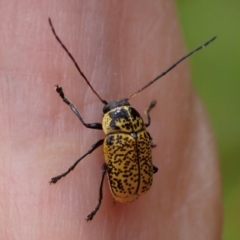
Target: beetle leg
{"x": 92, "y": 214}
{"x": 152, "y": 144}
{"x": 155, "y": 169}
{"x": 94, "y": 146}
{"x": 152, "y": 105}
{"x": 74, "y": 109}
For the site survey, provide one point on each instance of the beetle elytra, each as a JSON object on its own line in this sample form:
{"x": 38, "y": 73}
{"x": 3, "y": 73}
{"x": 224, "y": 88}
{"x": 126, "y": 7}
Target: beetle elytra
{"x": 127, "y": 144}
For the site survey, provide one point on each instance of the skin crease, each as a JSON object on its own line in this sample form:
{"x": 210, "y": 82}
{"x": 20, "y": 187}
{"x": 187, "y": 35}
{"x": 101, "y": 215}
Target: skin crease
{"x": 120, "y": 46}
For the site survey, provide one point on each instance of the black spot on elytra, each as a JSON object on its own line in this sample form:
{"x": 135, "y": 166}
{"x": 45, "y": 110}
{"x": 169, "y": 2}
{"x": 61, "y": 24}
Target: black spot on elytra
{"x": 109, "y": 140}
{"x": 127, "y": 126}
{"x": 119, "y": 139}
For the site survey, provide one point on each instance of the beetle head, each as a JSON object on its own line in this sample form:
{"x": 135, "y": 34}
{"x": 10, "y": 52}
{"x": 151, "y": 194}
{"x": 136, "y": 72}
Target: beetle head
{"x": 114, "y": 104}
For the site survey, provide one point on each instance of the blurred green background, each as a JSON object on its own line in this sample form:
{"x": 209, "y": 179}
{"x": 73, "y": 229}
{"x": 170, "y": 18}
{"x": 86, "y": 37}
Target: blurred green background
{"x": 217, "y": 81}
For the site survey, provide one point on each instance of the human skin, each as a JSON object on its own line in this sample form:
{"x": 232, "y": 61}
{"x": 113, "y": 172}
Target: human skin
{"x": 120, "y": 46}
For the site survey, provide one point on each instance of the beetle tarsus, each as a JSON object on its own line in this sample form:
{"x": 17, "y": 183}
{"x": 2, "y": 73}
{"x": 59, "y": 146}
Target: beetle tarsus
{"x": 147, "y": 112}
{"x": 55, "y": 179}
{"x": 155, "y": 169}
{"x": 59, "y": 90}
{"x": 94, "y": 146}
{"x": 153, "y": 145}
{"x": 92, "y": 214}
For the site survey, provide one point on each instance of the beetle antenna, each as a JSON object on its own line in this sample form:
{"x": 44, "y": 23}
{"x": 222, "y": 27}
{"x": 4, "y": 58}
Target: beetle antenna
{"x": 173, "y": 66}
{"x": 74, "y": 61}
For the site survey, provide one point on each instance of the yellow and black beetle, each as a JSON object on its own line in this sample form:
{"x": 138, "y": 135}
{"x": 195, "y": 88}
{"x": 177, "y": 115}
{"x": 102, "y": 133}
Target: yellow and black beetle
{"x": 127, "y": 145}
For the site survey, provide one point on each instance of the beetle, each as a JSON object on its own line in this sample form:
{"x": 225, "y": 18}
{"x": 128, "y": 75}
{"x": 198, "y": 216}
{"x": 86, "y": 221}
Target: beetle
{"x": 127, "y": 145}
